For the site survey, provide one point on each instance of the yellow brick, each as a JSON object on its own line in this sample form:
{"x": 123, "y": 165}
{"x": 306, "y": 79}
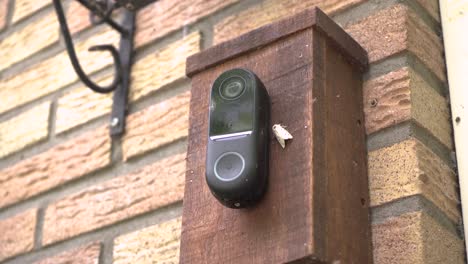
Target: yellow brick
{"x": 156, "y": 70}
{"x": 164, "y": 16}
{"x": 403, "y": 95}
{"x": 270, "y": 11}
{"x": 426, "y": 45}
{"x": 127, "y": 196}
{"x": 415, "y": 238}
{"x": 431, "y": 110}
{"x": 24, "y": 130}
{"x": 149, "y": 74}
{"x": 54, "y": 73}
{"x": 25, "y": 8}
{"x": 88, "y": 254}
{"x": 156, "y": 244}
{"x": 59, "y": 165}
{"x": 28, "y": 40}
{"x": 156, "y": 126}
{"x": 410, "y": 168}
{"x": 81, "y": 106}
{"x": 395, "y": 30}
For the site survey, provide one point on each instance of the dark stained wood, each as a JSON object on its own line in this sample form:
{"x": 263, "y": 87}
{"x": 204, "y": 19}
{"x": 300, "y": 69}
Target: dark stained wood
{"x": 311, "y": 18}
{"x": 316, "y": 206}
{"x": 341, "y": 194}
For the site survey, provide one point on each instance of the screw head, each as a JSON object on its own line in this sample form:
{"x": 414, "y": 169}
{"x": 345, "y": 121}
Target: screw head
{"x": 130, "y": 6}
{"x": 114, "y": 122}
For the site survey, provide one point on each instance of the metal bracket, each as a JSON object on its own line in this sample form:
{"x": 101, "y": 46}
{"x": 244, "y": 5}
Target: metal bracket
{"x": 103, "y": 9}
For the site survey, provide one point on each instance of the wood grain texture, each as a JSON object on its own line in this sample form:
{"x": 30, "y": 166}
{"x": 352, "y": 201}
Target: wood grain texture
{"x": 152, "y": 187}
{"x": 167, "y": 65}
{"x": 156, "y": 126}
{"x": 153, "y": 245}
{"x": 432, "y": 7}
{"x": 61, "y": 164}
{"x": 340, "y": 188}
{"x": 270, "y": 11}
{"x": 409, "y": 168}
{"x": 24, "y": 129}
{"x": 315, "y": 209}
{"x": 283, "y": 232}
{"x": 19, "y": 44}
{"x": 24, "y": 8}
{"x": 54, "y": 73}
{"x": 415, "y": 238}
{"x": 165, "y": 16}
{"x": 88, "y": 254}
{"x": 17, "y": 234}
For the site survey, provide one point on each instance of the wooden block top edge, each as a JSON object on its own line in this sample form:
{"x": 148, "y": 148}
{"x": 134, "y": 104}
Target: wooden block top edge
{"x": 310, "y": 18}
{"x": 341, "y": 38}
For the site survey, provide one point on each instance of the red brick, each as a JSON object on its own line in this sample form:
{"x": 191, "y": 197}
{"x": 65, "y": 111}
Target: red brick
{"x": 170, "y": 62}
{"x": 88, "y": 254}
{"x": 156, "y": 126}
{"x": 17, "y": 234}
{"x": 77, "y": 17}
{"x": 61, "y": 164}
{"x": 272, "y": 10}
{"x": 152, "y": 187}
{"x": 395, "y": 30}
{"x": 53, "y": 73}
{"x": 165, "y": 16}
{"x": 3, "y": 13}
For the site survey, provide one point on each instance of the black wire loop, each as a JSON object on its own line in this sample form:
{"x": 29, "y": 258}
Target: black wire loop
{"x": 74, "y": 60}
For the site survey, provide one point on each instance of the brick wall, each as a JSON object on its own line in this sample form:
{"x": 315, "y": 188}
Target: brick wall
{"x": 71, "y": 194}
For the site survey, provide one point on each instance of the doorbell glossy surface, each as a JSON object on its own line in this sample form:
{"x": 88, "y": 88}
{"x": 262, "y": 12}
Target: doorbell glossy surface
{"x": 237, "y": 150}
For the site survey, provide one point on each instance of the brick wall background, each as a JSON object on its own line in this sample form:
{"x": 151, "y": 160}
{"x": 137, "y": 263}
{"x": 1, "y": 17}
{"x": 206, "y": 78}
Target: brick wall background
{"x": 71, "y": 194}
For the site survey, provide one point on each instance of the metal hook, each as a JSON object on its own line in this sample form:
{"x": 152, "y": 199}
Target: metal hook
{"x": 122, "y": 57}
{"x": 74, "y": 60}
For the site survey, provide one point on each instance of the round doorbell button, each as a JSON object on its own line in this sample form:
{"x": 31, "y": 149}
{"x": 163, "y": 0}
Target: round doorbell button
{"x": 229, "y": 166}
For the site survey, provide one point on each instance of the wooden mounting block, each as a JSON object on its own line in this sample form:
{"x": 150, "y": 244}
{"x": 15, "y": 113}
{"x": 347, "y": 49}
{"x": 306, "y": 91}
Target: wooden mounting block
{"x": 316, "y": 206}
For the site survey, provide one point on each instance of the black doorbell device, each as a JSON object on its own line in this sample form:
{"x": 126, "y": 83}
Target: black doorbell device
{"x": 237, "y": 151}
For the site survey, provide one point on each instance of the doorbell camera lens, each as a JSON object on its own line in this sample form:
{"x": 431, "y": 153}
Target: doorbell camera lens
{"x": 232, "y": 88}
{"x": 237, "y": 149}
